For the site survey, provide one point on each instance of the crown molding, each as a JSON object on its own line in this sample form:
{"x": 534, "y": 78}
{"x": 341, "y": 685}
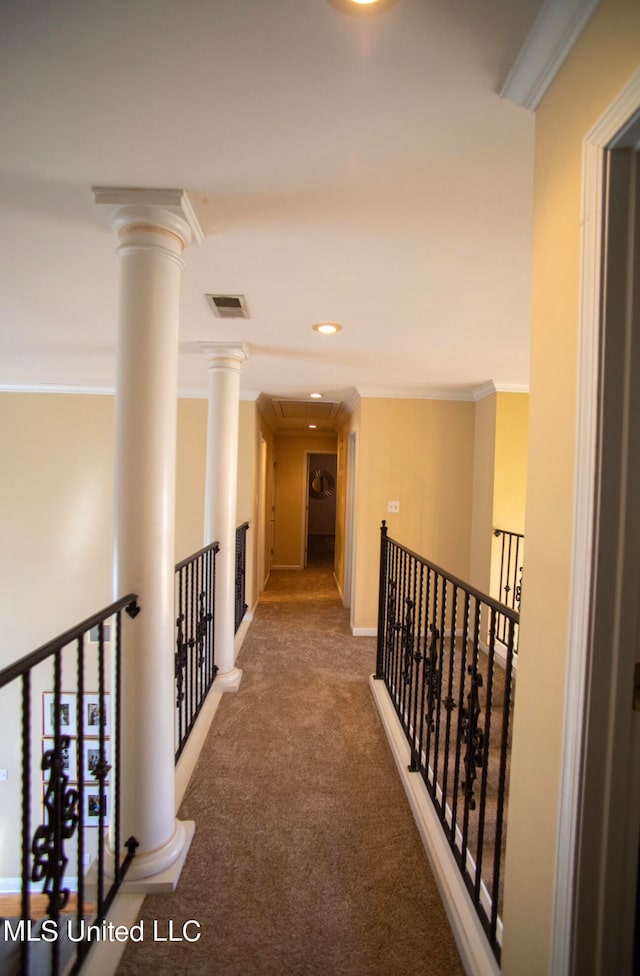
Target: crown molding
{"x": 555, "y": 31}
{"x": 174, "y": 201}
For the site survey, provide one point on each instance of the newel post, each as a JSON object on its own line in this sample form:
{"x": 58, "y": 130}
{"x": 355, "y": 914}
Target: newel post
{"x": 382, "y": 590}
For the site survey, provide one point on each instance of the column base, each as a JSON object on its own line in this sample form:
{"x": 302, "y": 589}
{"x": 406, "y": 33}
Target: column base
{"x": 159, "y": 871}
{"x": 228, "y": 680}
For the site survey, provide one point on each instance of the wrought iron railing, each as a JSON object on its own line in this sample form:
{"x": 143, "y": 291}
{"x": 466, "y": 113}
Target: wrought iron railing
{"x": 453, "y": 693}
{"x": 510, "y": 586}
{"x": 241, "y": 570}
{"x": 195, "y": 667}
{"x": 69, "y": 744}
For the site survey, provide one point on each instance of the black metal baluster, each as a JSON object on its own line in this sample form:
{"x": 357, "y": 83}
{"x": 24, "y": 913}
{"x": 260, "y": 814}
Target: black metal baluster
{"x": 26, "y": 814}
{"x": 417, "y": 671}
{"x": 501, "y": 800}
{"x": 484, "y": 764}
{"x": 449, "y": 702}
{"x": 80, "y": 781}
{"x": 423, "y": 759}
{"x": 438, "y": 701}
{"x": 214, "y": 560}
{"x": 469, "y": 729}
{"x": 460, "y": 708}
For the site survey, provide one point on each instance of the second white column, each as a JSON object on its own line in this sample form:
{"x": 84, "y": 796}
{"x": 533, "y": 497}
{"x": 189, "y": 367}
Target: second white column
{"x": 225, "y": 360}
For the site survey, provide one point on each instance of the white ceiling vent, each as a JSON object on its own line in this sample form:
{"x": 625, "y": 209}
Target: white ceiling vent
{"x": 229, "y": 306}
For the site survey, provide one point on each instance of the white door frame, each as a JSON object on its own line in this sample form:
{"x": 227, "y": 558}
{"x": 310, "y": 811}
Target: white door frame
{"x": 588, "y": 852}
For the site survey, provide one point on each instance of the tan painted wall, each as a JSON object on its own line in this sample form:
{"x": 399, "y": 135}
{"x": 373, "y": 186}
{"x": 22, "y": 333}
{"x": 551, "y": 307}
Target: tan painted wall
{"x": 602, "y": 62}
{"x": 190, "y": 476}
{"x": 512, "y": 444}
{"x": 56, "y": 514}
{"x": 483, "y": 492}
{"x": 56, "y": 518}
{"x": 290, "y": 491}
{"x": 420, "y": 453}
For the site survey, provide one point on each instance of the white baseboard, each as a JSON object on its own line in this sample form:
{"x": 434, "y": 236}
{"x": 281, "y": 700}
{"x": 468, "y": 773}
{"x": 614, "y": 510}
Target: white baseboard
{"x": 193, "y": 746}
{"x": 475, "y": 951}
{"x": 364, "y": 631}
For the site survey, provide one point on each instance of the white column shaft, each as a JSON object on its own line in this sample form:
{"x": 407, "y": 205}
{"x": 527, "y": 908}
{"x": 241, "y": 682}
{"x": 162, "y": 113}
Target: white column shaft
{"x": 220, "y": 500}
{"x": 146, "y": 408}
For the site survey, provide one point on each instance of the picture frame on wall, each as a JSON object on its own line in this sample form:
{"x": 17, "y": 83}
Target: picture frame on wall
{"x": 90, "y": 758}
{"x": 67, "y": 713}
{"x": 91, "y": 807}
{"x": 91, "y": 714}
{"x": 69, "y": 758}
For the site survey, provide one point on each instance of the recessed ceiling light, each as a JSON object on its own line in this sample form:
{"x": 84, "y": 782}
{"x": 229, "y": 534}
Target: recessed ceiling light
{"x": 327, "y": 328}
{"x": 316, "y": 396}
{"x": 362, "y": 7}
{"x": 312, "y": 426}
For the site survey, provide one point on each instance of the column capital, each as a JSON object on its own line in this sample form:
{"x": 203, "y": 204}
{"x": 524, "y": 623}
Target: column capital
{"x": 229, "y": 354}
{"x": 169, "y": 210}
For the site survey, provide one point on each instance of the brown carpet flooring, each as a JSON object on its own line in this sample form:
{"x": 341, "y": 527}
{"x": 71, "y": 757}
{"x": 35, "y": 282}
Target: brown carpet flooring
{"x": 306, "y": 860}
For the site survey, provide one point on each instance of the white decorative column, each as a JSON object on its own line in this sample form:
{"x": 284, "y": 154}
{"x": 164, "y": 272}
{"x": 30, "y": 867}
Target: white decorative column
{"x": 153, "y": 227}
{"x": 225, "y": 360}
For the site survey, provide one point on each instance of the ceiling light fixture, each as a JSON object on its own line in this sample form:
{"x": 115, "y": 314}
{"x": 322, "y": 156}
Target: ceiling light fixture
{"x": 327, "y": 328}
{"x": 361, "y": 8}
{"x": 316, "y": 396}
{"x": 313, "y": 426}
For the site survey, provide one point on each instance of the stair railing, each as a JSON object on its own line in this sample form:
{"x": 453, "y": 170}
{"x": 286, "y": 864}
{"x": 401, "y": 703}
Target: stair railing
{"x": 69, "y": 745}
{"x": 241, "y": 572}
{"x": 510, "y": 586}
{"x": 195, "y": 667}
{"x": 453, "y": 690}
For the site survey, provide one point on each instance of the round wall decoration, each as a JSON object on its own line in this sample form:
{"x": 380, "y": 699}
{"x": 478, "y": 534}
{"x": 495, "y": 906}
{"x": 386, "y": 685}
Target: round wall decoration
{"x": 321, "y": 484}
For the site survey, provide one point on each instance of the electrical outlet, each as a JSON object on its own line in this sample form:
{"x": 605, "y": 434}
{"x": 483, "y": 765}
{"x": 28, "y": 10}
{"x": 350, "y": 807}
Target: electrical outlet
{"x": 4, "y": 774}
{"x": 393, "y": 506}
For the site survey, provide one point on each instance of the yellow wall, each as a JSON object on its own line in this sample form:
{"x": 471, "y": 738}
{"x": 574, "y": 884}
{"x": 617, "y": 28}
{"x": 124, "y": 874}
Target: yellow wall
{"x": 420, "y": 453}
{"x": 483, "y": 492}
{"x": 602, "y": 62}
{"x": 56, "y": 514}
{"x": 191, "y": 458}
{"x": 511, "y": 450}
{"x": 56, "y": 508}
{"x": 291, "y": 491}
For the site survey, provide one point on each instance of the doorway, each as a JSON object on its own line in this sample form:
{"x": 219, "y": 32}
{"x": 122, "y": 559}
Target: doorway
{"x": 595, "y": 916}
{"x": 320, "y": 509}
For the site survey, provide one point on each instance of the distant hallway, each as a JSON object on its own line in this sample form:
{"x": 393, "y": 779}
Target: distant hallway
{"x": 306, "y": 860}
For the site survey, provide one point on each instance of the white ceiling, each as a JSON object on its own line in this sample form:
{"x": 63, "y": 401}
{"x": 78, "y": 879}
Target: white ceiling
{"x": 359, "y": 170}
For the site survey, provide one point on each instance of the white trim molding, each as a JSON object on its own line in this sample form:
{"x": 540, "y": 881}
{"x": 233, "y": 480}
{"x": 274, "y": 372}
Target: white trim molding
{"x": 555, "y": 31}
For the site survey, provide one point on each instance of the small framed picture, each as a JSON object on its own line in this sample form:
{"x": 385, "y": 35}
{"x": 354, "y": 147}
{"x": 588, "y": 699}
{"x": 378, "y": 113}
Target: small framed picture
{"x": 91, "y": 758}
{"x": 66, "y": 714}
{"x": 91, "y": 807}
{"x": 69, "y": 758}
{"x": 91, "y": 714}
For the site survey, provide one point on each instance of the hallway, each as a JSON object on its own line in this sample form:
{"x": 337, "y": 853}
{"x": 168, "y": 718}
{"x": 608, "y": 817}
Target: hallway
{"x": 306, "y": 859}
